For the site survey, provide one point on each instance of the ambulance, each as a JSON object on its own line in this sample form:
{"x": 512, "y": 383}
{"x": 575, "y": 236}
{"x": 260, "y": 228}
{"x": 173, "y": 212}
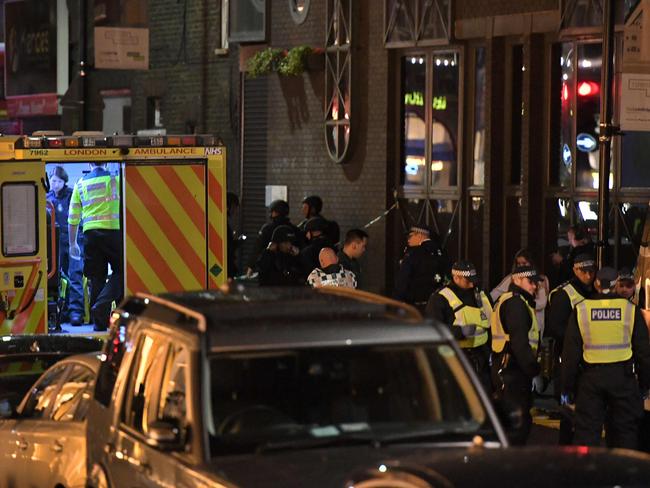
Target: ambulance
{"x": 172, "y": 217}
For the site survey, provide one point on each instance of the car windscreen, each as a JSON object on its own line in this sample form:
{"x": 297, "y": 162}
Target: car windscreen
{"x": 18, "y": 373}
{"x": 316, "y": 396}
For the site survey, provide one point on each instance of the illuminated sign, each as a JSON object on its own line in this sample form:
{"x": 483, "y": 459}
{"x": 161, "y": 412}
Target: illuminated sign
{"x": 586, "y": 142}
{"x": 416, "y": 98}
{"x": 566, "y": 155}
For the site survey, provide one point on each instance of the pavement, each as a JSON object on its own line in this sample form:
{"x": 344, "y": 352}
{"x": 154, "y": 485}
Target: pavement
{"x": 85, "y": 330}
{"x": 546, "y": 421}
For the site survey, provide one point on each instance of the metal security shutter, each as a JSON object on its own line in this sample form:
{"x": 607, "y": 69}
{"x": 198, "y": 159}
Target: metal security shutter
{"x": 254, "y": 160}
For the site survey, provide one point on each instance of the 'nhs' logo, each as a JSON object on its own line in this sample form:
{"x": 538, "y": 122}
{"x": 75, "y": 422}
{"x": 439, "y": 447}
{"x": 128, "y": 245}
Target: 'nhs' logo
{"x": 605, "y": 314}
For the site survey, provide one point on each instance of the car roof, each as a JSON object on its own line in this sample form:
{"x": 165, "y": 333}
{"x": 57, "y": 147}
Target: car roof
{"x": 90, "y": 359}
{"x": 245, "y": 317}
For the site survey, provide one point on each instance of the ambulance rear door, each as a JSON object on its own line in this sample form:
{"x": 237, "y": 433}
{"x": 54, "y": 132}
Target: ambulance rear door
{"x": 23, "y": 259}
{"x": 166, "y": 219}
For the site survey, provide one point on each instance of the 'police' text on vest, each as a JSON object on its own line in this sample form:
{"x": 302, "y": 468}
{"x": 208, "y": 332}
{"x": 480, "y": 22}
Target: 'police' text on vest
{"x": 605, "y": 314}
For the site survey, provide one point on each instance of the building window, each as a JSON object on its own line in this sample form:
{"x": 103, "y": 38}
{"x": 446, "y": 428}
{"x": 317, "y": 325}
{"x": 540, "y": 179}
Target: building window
{"x": 517, "y": 114}
{"x": 429, "y": 112}
{"x": 299, "y": 10}
{"x": 247, "y": 21}
{"x": 338, "y": 79}
{"x": 580, "y": 14}
{"x": 224, "y": 27}
{"x": 577, "y": 157}
{"x": 416, "y": 22}
{"x": 480, "y": 97}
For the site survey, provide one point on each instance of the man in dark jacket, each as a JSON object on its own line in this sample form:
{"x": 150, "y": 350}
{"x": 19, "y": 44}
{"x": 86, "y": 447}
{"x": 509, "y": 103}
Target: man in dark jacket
{"x": 279, "y": 213}
{"x": 561, "y": 304}
{"x": 466, "y": 310}
{"x": 515, "y": 340}
{"x": 607, "y": 341}
{"x": 279, "y": 264}
{"x": 422, "y": 270}
{"x": 579, "y": 243}
{"x": 354, "y": 247}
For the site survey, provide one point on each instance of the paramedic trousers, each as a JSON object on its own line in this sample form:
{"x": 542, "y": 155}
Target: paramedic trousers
{"x": 101, "y": 248}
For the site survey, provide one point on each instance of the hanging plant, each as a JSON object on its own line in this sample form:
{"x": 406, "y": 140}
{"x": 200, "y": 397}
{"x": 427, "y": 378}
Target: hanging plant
{"x": 264, "y": 62}
{"x": 295, "y": 61}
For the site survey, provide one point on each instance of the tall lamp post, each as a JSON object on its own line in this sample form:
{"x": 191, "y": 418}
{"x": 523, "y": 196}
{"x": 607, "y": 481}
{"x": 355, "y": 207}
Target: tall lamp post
{"x": 607, "y": 131}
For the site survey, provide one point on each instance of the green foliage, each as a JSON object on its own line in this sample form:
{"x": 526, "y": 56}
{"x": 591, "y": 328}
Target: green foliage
{"x": 295, "y": 62}
{"x": 264, "y": 62}
{"x": 291, "y": 63}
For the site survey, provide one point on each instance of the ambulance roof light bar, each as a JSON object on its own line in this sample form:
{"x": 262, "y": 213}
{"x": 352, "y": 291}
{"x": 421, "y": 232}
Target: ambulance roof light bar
{"x": 91, "y": 138}
{"x": 146, "y": 138}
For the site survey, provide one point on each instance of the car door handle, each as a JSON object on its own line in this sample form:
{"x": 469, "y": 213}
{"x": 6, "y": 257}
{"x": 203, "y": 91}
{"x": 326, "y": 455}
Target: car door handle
{"x": 57, "y": 446}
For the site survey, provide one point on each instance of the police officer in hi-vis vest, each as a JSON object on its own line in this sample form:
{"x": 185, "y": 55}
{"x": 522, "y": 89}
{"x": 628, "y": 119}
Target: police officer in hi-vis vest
{"x": 96, "y": 202}
{"x": 605, "y": 359}
{"x": 515, "y": 340}
{"x": 466, "y": 310}
{"x": 561, "y": 303}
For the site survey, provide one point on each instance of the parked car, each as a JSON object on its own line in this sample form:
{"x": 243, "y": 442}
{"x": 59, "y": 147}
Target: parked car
{"x": 44, "y": 443}
{"x": 23, "y": 358}
{"x": 257, "y": 387}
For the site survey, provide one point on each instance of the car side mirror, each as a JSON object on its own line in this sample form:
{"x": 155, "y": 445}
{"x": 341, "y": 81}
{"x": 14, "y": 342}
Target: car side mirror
{"x": 164, "y": 435}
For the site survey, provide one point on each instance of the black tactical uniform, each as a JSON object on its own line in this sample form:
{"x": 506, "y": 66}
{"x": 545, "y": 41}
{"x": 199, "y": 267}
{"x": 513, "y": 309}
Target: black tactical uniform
{"x": 278, "y": 268}
{"x": 309, "y": 254}
{"x": 422, "y": 271}
{"x": 514, "y": 364}
{"x": 266, "y": 232}
{"x": 599, "y": 361}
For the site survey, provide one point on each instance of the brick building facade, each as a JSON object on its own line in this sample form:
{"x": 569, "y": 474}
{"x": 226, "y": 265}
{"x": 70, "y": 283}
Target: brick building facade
{"x": 502, "y": 122}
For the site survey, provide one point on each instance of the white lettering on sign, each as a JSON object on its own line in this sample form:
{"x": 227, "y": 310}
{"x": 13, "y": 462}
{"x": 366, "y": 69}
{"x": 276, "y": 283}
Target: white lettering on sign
{"x": 85, "y": 152}
{"x": 212, "y": 151}
{"x": 605, "y": 314}
{"x": 162, "y": 151}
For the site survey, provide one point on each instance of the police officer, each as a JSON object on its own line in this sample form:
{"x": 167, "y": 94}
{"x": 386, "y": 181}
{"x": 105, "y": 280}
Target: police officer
{"x": 95, "y": 201}
{"x": 279, "y": 213}
{"x": 515, "y": 339}
{"x": 279, "y": 264}
{"x": 562, "y": 302}
{"x": 422, "y": 270}
{"x": 312, "y": 207}
{"x": 607, "y": 340}
{"x": 317, "y": 239}
{"x": 466, "y": 310}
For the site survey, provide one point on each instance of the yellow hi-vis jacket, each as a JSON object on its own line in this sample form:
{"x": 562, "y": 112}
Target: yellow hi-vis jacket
{"x": 574, "y": 296}
{"x": 464, "y": 315}
{"x": 606, "y": 327}
{"x": 95, "y": 201}
{"x": 499, "y": 336}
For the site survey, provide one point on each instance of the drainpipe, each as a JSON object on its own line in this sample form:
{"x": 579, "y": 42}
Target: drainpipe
{"x": 607, "y": 131}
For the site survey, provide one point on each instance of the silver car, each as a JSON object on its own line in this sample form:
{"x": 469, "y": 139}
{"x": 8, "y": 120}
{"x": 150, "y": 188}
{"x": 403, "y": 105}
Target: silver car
{"x": 43, "y": 443}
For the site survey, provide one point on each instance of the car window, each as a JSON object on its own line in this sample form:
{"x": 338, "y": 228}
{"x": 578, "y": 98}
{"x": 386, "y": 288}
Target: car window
{"x": 315, "y": 393}
{"x": 141, "y": 405}
{"x": 71, "y": 402}
{"x": 44, "y": 392}
{"x": 173, "y": 406}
